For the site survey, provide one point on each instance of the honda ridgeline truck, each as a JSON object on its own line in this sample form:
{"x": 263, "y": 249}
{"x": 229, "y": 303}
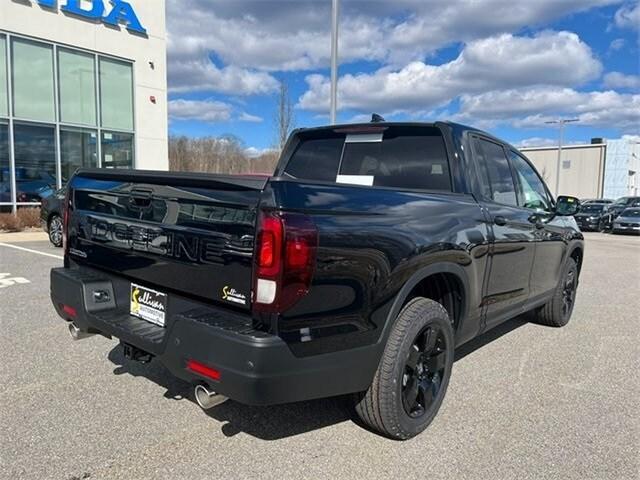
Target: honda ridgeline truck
{"x": 372, "y": 252}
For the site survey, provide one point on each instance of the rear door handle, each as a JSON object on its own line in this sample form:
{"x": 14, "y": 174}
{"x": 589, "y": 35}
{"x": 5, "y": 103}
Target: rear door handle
{"x": 499, "y": 220}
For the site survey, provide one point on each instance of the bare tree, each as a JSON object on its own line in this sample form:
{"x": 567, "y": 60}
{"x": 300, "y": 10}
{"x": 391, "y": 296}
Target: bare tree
{"x": 226, "y": 154}
{"x": 284, "y": 116}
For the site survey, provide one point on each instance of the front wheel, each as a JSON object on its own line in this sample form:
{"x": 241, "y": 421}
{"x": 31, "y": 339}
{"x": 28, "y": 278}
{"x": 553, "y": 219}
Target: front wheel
{"x": 412, "y": 377}
{"x": 55, "y": 231}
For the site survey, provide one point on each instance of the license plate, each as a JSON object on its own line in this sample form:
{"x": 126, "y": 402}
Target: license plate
{"x": 148, "y": 304}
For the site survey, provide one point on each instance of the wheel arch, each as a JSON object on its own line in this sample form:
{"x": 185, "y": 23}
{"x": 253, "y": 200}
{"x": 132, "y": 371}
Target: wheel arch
{"x": 451, "y": 271}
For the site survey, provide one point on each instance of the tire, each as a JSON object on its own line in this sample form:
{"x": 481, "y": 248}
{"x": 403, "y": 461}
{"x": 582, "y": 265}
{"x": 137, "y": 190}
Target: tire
{"x": 387, "y": 406}
{"x": 557, "y": 311}
{"x": 55, "y": 230}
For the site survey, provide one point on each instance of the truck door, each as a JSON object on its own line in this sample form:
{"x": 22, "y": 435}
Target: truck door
{"x": 513, "y": 240}
{"x": 550, "y": 243}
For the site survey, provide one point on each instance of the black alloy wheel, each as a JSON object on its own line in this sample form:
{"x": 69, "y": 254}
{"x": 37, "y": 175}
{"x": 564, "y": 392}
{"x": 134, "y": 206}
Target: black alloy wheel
{"x": 569, "y": 293}
{"x": 55, "y": 231}
{"x": 424, "y": 370}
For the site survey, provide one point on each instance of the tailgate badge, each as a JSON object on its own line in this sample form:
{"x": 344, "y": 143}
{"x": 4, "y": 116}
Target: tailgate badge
{"x": 232, "y": 295}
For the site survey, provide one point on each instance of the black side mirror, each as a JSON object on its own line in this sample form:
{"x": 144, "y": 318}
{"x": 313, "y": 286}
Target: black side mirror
{"x": 567, "y": 206}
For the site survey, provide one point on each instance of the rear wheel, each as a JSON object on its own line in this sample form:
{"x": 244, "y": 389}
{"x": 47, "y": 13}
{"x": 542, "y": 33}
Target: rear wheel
{"x": 557, "y": 311}
{"x": 55, "y": 230}
{"x": 412, "y": 378}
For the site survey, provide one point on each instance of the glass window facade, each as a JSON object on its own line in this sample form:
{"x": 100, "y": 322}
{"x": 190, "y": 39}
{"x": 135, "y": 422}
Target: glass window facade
{"x": 78, "y": 149}
{"x": 77, "y": 85}
{"x": 5, "y": 167}
{"x": 116, "y": 94}
{"x": 117, "y": 150}
{"x": 4, "y": 94}
{"x": 35, "y": 160}
{"x": 60, "y": 109}
{"x": 33, "y": 91}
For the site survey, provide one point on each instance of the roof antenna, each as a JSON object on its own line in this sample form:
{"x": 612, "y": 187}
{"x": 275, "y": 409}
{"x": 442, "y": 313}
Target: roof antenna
{"x": 375, "y": 118}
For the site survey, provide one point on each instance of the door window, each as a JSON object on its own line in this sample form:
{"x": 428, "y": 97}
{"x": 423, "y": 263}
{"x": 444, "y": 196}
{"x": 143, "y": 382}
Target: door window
{"x": 531, "y": 190}
{"x": 496, "y": 179}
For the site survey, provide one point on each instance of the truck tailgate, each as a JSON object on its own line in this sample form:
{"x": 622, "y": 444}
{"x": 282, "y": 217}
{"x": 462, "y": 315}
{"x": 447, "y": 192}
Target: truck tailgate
{"x": 187, "y": 233}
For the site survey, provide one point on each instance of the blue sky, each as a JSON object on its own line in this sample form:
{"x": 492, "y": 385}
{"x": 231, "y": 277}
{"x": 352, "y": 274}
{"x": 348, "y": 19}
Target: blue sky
{"x": 505, "y": 66}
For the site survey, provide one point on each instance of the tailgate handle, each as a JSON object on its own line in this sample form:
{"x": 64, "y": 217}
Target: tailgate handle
{"x": 140, "y": 199}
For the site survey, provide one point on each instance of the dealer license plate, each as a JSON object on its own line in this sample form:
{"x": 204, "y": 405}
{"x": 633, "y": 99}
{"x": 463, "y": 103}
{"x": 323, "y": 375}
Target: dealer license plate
{"x": 148, "y": 304}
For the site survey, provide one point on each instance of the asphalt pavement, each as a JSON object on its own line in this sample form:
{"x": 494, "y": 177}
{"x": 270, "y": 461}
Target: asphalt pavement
{"x": 525, "y": 401}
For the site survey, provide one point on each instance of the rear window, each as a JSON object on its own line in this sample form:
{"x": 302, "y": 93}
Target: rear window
{"x": 399, "y": 157}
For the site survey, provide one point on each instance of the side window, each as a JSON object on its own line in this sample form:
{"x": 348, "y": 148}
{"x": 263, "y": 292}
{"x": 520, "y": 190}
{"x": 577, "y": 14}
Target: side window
{"x": 531, "y": 191}
{"x": 497, "y": 184}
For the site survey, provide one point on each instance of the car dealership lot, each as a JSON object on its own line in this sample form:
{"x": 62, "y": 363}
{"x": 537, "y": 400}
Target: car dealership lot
{"x": 524, "y": 400}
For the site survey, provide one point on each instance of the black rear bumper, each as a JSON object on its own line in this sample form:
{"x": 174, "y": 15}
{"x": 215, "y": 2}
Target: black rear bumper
{"x": 256, "y": 368}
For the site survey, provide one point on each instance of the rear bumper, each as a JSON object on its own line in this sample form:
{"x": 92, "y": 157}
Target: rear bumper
{"x": 256, "y": 368}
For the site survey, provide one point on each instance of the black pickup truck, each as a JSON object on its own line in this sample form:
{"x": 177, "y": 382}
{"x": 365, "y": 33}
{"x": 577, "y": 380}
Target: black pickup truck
{"x": 357, "y": 268}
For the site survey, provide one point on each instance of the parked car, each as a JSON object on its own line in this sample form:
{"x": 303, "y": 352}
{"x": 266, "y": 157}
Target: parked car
{"x": 357, "y": 268}
{"x": 590, "y": 201}
{"x": 51, "y": 216}
{"x": 628, "y": 221}
{"x": 592, "y": 216}
{"x": 617, "y": 208}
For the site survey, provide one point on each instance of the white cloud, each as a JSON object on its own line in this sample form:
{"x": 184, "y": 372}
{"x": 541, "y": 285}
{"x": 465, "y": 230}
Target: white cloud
{"x": 206, "y": 111}
{"x": 247, "y": 117}
{"x": 537, "y": 142}
{"x": 194, "y": 75}
{"x": 628, "y": 16}
{"x": 295, "y": 35}
{"x": 616, "y": 44}
{"x": 253, "y": 152}
{"x": 504, "y": 61}
{"x": 532, "y": 107}
{"x": 620, "y": 80}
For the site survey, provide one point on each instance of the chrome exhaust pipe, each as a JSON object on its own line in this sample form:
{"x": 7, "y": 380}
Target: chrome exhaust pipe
{"x": 208, "y": 399}
{"x": 77, "y": 334}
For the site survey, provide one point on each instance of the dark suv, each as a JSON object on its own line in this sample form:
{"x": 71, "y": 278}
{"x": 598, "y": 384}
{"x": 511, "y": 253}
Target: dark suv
{"x": 372, "y": 252}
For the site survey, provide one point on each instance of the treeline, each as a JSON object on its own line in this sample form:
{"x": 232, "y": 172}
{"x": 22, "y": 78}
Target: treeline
{"x": 217, "y": 155}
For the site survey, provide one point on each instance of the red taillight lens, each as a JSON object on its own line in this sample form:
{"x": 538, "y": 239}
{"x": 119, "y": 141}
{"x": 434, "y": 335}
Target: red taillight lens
{"x": 69, "y": 310}
{"x": 287, "y": 244}
{"x": 202, "y": 369}
{"x": 270, "y": 246}
{"x": 65, "y": 221}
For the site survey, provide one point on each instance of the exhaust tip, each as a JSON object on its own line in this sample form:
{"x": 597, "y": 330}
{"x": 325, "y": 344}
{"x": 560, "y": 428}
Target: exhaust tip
{"x": 208, "y": 399}
{"x": 77, "y": 334}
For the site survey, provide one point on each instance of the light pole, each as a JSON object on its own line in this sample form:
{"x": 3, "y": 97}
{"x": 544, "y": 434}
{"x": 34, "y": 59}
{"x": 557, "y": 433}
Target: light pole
{"x": 561, "y": 122}
{"x": 334, "y": 59}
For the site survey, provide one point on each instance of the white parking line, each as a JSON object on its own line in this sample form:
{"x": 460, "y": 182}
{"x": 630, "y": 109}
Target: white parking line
{"x": 31, "y": 251}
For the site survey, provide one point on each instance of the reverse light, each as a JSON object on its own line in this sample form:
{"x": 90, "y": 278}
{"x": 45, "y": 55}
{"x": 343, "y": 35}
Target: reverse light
{"x": 202, "y": 369}
{"x": 285, "y": 260}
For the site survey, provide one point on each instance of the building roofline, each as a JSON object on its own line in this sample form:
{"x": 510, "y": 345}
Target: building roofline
{"x": 564, "y": 147}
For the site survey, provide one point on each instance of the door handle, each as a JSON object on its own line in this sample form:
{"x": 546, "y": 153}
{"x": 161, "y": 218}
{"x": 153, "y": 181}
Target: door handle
{"x": 499, "y": 220}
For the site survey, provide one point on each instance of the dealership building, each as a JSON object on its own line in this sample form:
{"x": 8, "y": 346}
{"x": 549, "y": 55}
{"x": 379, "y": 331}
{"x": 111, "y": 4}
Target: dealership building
{"x": 83, "y": 83}
{"x": 604, "y": 168}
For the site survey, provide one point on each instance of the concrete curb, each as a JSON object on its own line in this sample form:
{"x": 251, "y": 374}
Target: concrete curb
{"x": 20, "y": 237}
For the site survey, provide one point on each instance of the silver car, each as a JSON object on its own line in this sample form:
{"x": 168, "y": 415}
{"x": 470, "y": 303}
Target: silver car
{"x": 627, "y": 221}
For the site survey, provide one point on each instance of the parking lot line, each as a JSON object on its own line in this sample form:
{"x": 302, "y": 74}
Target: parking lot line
{"x": 31, "y": 251}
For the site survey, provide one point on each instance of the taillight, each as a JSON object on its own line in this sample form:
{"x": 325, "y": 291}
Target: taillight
{"x": 285, "y": 260}
{"x": 65, "y": 221}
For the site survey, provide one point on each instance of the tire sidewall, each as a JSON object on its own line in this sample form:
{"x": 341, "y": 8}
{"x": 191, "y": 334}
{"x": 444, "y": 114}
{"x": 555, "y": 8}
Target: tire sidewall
{"x": 439, "y": 317}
